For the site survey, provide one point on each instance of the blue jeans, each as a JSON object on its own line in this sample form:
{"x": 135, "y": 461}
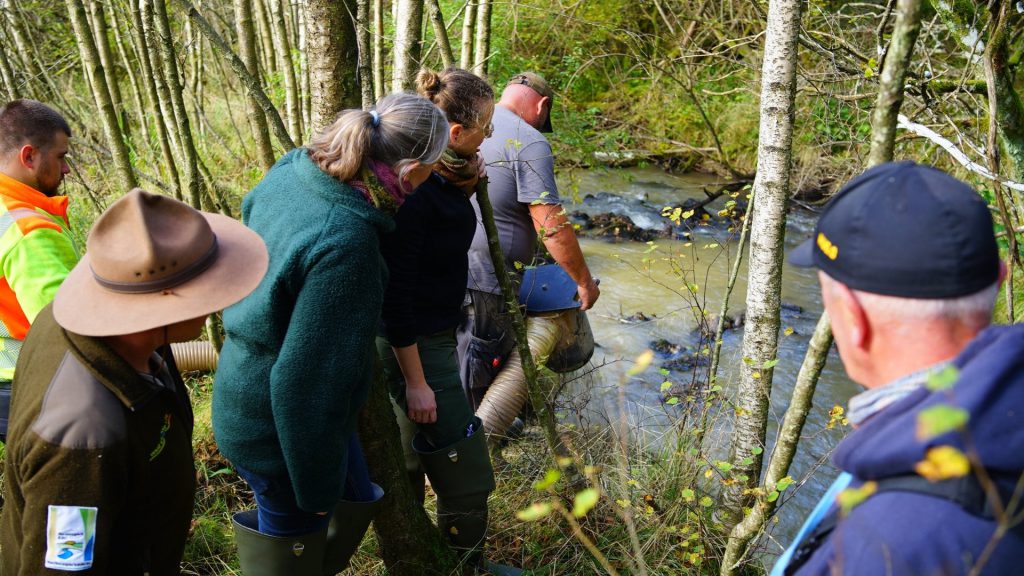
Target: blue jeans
{"x": 279, "y": 514}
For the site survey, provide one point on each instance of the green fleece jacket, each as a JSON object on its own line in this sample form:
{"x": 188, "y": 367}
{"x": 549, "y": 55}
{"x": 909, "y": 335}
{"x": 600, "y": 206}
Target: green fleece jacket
{"x": 98, "y": 473}
{"x": 299, "y": 355}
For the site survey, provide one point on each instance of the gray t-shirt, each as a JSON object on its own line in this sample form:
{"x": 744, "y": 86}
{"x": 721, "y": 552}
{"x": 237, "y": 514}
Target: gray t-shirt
{"x": 521, "y": 171}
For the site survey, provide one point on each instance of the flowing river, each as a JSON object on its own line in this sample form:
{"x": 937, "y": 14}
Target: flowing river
{"x": 645, "y": 298}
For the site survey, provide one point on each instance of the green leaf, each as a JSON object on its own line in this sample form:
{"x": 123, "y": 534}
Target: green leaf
{"x": 672, "y": 401}
{"x": 666, "y": 385}
{"x": 770, "y": 363}
{"x": 773, "y": 495}
{"x": 756, "y": 450}
{"x": 943, "y": 379}
{"x": 939, "y": 419}
{"x": 784, "y": 483}
{"x": 747, "y": 461}
{"x": 550, "y": 477}
{"x": 706, "y": 502}
{"x": 688, "y": 494}
{"x": 723, "y": 466}
{"x": 852, "y": 497}
{"x": 642, "y": 362}
{"x": 584, "y": 502}
{"x": 536, "y": 511}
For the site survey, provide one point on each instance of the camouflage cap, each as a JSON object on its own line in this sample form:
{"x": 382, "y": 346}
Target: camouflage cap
{"x": 540, "y": 86}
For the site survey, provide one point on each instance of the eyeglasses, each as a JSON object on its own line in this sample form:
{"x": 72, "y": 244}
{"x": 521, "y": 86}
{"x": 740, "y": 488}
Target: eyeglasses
{"x": 488, "y": 130}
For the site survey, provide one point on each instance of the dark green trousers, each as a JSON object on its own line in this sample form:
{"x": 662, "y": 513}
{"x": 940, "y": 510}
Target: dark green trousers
{"x": 441, "y": 369}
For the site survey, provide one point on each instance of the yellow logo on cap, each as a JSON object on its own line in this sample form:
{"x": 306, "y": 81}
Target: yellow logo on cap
{"x": 827, "y": 247}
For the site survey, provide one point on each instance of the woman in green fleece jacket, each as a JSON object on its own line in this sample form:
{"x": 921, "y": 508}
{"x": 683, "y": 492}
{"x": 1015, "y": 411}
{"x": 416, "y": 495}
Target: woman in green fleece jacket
{"x": 299, "y": 355}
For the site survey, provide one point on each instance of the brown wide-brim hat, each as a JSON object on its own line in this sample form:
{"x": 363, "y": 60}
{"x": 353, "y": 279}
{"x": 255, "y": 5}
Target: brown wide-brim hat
{"x": 152, "y": 261}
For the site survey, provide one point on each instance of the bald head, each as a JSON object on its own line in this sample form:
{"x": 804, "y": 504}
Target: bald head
{"x": 527, "y": 104}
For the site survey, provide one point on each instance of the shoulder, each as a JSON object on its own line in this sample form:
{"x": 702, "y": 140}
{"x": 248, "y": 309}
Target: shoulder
{"x": 78, "y": 411}
{"x": 903, "y": 533}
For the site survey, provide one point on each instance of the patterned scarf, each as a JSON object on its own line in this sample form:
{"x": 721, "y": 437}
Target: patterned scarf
{"x": 462, "y": 172}
{"x": 380, "y": 186}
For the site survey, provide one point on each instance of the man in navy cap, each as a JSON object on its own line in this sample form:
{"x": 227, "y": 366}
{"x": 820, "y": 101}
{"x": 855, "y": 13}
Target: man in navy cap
{"x": 909, "y": 271}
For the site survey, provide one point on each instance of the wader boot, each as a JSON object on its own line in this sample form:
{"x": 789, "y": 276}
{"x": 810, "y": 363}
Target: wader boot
{"x": 413, "y": 468}
{"x": 462, "y": 478}
{"x": 346, "y": 530}
{"x": 265, "y": 555}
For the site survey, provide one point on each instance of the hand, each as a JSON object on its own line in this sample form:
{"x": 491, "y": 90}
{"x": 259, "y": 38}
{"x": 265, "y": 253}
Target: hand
{"x": 589, "y": 293}
{"x": 420, "y": 401}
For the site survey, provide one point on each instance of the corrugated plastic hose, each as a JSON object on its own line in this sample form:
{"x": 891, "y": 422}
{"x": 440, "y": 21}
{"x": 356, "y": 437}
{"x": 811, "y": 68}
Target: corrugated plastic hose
{"x": 508, "y": 392}
{"x": 196, "y": 355}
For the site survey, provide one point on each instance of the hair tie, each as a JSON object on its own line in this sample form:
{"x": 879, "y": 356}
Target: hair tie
{"x": 375, "y": 118}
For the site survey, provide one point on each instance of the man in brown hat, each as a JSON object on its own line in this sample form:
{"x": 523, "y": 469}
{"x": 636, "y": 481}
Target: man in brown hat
{"x": 521, "y": 185}
{"x": 99, "y": 472}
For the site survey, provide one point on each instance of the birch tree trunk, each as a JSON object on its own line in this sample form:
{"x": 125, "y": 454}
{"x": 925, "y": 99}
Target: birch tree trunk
{"x": 408, "y": 44}
{"x": 193, "y": 180}
{"x": 468, "y": 29}
{"x": 247, "y": 52}
{"x": 333, "y": 60}
{"x": 440, "y": 33}
{"x": 482, "y": 48}
{"x": 365, "y": 64}
{"x": 23, "y": 52}
{"x": 283, "y": 48}
{"x": 378, "y": 49}
{"x": 130, "y": 69}
{"x": 883, "y": 124}
{"x": 101, "y": 93}
{"x": 764, "y": 288}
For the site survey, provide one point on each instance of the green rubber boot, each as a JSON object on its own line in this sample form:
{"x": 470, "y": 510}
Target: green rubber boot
{"x": 462, "y": 478}
{"x": 265, "y": 555}
{"x": 346, "y": 530}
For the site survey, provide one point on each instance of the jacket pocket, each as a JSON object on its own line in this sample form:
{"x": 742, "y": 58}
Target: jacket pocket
{"x": 485, "y": 358}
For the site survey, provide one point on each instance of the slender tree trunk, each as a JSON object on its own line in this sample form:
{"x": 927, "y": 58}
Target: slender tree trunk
{"x": 410, "y": 544}
{"x": 264, "y": 34}
{"x": 282, "y": 46}
{"x": 408, "y": 44}
{"x": 23, "y": 52}
{"x": 441, "y": 33}
{"x": 247, "y": 51}
{"x": 11, "y": 88}
{"x": 304, "y": 65}
{"x": 133, "y": 79}
{"x": 99, "y": 26}
{"x": 378, "y": 49}
{"x": 253, "y": 85}
{"x": 101, "y": 93}
{"x": 468, "y": 33}
{"x": 890, "y": 92}
{"x": 365, "y": 64}
{"x": 482, "y": 48}
{"x": 193, "y": 180}
{"x": 333, "y": 60}
{"x": 155, "y": 87}
{"x": 764, "y": 287}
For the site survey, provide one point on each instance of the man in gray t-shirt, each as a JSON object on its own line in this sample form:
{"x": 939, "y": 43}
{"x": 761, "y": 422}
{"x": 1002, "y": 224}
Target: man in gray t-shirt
{"x": 520, "y": 169}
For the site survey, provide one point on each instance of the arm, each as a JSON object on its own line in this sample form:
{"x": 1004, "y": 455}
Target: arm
{"x": 36, "y": 266}
{"x": 560, "y": 240}
{"x": 402, "y": 251}
{"x": 419, "y": 396}
{"x": 71, "y": 480}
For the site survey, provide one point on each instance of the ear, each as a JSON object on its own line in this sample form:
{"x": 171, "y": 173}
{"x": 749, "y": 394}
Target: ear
{"x": 855, "y": 317}
{"x": 27, "y": 156}
{"x": 455, "y": 131}
{"x": 542, "y": 105}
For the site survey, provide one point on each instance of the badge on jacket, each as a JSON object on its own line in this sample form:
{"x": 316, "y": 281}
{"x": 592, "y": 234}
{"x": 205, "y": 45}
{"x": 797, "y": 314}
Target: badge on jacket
{"x": 70, "y": 537}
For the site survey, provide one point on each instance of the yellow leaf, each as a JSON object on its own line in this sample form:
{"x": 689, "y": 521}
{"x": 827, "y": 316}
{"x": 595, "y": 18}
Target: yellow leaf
{"x": 584, "y": 502}
{"x": 852, "y": 497}
{"x": 536, "y": 511}
{"x": 623, "y": 503}
{"x": 943, "y": 462}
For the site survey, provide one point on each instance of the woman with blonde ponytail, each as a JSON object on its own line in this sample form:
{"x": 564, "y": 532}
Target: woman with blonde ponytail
{"x": 299, "y": 355}
{"x": 426, "y": 257}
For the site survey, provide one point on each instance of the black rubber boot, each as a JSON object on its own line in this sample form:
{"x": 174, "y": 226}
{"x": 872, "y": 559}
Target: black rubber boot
{"x": 462, "y": 478}
{"x": 346, "y": 530}
{"x": 265, "y": 555}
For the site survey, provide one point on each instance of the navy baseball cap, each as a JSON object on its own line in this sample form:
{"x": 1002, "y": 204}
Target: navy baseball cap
{"x": 903, "y": 229}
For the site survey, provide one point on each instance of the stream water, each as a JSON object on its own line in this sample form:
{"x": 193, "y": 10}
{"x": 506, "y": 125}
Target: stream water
{"x": 641, "y": 278}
